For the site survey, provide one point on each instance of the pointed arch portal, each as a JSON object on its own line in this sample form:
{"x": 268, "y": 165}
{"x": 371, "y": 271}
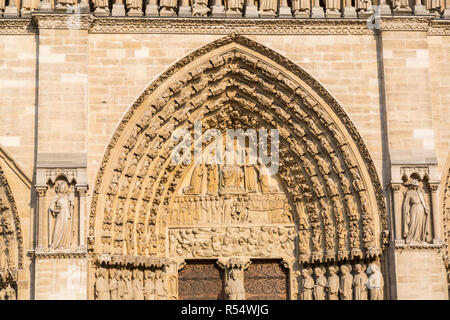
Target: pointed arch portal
{"x": 324, "y": 206}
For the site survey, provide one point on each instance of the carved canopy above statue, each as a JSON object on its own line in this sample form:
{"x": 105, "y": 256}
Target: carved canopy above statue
{"x": 326, "y": 196}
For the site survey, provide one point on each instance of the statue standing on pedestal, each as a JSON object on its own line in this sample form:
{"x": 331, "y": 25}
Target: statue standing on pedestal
{"x": 360, "y": 283}
{"x": 268, "y": 7}
{"x": 234, "y": 288}
{"x": 415, "y": 214}
{"x": 61, "y": 209}
{"x": 375, "y": 282}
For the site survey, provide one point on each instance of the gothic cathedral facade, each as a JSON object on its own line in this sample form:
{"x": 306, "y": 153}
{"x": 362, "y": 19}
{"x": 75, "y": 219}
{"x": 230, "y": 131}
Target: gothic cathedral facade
{"x": 93, "y": 205}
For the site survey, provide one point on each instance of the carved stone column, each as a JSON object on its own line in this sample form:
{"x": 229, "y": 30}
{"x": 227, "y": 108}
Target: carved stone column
{"x": 218, "y": 9}
{"x": 397, "y": 207}
{"x": 284, "y": 11}
{"x": 118, "y": 8}
{"x": 436, "y": 214}
{"x": 348, "y": 10}
{"x": 82, "y": 190}
{"x": 185, "y": 9}
{"x": 317, "y": 11}
{"x": 41, "y": 227}
{"x": 172, "y": 278}
{"x": 151, "y": 8}
{"x": 293, "y": 267}
{"x": 251, "y": 11}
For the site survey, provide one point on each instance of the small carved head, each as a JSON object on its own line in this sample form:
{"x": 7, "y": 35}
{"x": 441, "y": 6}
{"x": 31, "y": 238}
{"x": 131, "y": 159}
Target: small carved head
{"x": 61, "y": 187}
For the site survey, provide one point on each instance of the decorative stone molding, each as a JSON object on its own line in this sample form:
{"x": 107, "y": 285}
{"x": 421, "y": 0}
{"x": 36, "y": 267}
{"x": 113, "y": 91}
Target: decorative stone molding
{"x": 136, "y": 261}
{"x": 161, "y": 25}
{"x": 405, "y": 24}
{"x": 229, "y": 26}
{"x": 17, "y": 26}
{"x": 62, "y": 21}
{"x": 42, "y": 255}
{"x": 10, "y": 229}
{"x": 417, "y": 246}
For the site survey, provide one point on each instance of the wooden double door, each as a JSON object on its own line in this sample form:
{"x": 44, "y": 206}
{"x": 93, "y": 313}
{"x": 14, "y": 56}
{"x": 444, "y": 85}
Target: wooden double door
{"x": 205, "y": 280}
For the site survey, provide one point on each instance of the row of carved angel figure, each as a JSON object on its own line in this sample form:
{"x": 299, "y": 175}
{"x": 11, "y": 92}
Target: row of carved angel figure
{"x": 115, "y": 283}
{"x": 224, "y": 8}
{"x": 316, "y": 284}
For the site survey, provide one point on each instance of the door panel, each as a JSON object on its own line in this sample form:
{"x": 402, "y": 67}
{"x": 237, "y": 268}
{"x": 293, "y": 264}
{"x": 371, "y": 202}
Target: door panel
{"x": 266, "y": 280}
{"x": 200, "y": 280}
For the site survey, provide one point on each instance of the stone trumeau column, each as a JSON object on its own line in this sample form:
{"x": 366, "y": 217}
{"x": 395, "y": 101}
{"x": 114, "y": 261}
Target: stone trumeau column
{"x": 411, "y": 174}
{"x": 60, "y": 254}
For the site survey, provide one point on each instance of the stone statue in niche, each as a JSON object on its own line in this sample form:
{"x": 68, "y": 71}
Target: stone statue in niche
{"x": 234, "y": 7}
{"x": 415, "y": 214}
{"x": 234, "y": 288}
{"x": 200, "y": 8}
{"x": 268, "y": 7}
{"x": 195, "y": 185}
{"x": 375, "y": 282}
{"x": 101, "y": 285}
{"x": 160, "y": 285}
{"x": 114, "y": 284}
{"x": 231, "y": 178}
{"x": 321, "y": 284}
{"x": 346, "y": 289}
{"x": 301, "y": 7}
{"x": 61, "y": 209}
{"x": 129, "y": 284}
{"x": 251, "y": 178}
{"x": 138, "y": 284}
{"x": 149, "y": 285}
{"x": 360, "y": 283}
{"x": 401, "y": 4}
{"x": 122, "y": 285}
{"x": 307, "y": 284}
{"x": 333, "y": 283}
{"x": 168, "y": 7}
{"x": 213, "y": 178}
